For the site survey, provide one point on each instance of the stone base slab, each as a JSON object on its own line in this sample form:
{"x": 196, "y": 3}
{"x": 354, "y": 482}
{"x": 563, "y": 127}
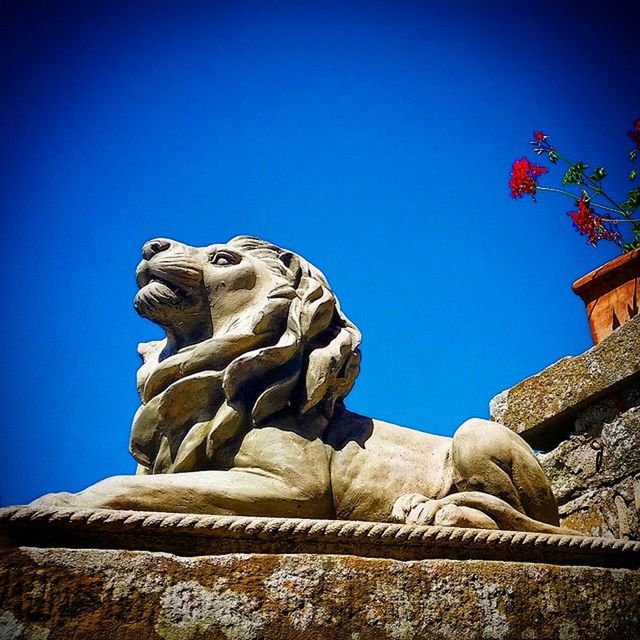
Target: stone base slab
{"x": 138, "y": 595}
{"x": 120, "y": 575}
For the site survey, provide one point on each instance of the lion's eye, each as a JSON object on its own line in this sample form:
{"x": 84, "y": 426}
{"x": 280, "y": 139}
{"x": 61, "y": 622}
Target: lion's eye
{"x": 223, "y": 259}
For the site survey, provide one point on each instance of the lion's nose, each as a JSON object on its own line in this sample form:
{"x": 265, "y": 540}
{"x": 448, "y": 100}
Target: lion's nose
{"x": 154, "y": 247}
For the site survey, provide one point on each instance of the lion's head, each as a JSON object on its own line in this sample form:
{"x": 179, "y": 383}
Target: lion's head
{"x": 254, "y": 333}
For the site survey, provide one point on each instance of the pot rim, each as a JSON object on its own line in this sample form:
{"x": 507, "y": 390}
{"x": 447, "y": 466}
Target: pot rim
{"x": 608, "y": 276}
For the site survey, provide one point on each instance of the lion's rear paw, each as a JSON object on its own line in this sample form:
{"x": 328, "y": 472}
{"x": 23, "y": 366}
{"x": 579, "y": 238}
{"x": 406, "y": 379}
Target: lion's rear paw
{"x": 413, "y": 508}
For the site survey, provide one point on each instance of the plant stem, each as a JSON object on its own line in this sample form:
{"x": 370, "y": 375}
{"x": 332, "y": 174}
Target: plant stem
{"x": 597, "y": 188}
{"x": 593, "y": 204}
{"x": 566, "y": 193}
{"x": 560, "y": 157}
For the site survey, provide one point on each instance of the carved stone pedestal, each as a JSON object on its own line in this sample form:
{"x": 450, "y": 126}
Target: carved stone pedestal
{"x": 127, "y": 575}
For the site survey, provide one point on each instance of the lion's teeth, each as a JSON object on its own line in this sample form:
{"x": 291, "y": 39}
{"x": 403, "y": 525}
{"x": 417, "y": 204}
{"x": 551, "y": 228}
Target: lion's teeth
{"x": 163, "y": 293}
{"x": 157, "y": 293}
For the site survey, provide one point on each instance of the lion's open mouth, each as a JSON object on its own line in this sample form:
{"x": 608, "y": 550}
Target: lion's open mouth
{"x": 162, "y": 292}
{"x": 156, "y": 294}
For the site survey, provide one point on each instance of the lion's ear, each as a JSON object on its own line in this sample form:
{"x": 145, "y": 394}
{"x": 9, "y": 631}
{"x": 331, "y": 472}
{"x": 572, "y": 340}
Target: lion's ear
{"x": 325, "y": 368}
{"x": 287, "y": 257}
{"x": 292, "y": 262}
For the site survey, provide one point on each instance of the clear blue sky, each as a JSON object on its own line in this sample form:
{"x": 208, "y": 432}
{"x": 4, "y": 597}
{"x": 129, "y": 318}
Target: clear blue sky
{"x": 373, "y": 138}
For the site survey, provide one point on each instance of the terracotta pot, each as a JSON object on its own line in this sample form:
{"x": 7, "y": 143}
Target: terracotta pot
{"x": 611, "y": 294}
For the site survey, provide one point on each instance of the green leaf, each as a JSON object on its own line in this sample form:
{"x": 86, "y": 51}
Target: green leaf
{"x": 553, "y": 156}
{"x": 632, "y": 174}
{"x": 575, "y": 173}
{"x": 599, "y": 174}
{"x": 633, "y": 155}
{"x": 630, "y": 246}
{"x": 633, "y": 200}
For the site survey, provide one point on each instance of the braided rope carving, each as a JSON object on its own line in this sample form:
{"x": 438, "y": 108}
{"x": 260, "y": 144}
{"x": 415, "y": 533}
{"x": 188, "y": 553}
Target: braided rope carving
{"x": 190, "y": 534}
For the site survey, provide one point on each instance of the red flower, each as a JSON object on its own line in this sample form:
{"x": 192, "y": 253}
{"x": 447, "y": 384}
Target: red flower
{"x": 524, "y": 178}
{"x": 635, "y": 134}
{"x": 588, "y": 223}
{"x": 539, "y": 136}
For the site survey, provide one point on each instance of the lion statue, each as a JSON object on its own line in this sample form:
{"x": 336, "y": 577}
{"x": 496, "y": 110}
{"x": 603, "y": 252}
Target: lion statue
{"x": 242, "y": 410}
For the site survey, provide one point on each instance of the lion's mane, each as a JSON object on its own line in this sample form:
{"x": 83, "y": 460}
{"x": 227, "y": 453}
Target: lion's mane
{"x": 299, "y": 359}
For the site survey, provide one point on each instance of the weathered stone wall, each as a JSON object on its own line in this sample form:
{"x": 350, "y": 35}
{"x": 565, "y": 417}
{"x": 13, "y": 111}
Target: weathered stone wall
{"x": 596, "y": 473}
{"x": 584, "y": 414}
{"x": 59, "y": 594}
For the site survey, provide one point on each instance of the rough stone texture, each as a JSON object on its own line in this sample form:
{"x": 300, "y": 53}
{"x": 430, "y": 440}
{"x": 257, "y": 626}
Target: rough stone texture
{"x": 592, "y": 424}
{"x": 608, "y": 512}
{"x": 63, "y": 594}
{"x": 541, "y": 407}
{"x": 598, "y": 458}
{"x": 595, "y": 474}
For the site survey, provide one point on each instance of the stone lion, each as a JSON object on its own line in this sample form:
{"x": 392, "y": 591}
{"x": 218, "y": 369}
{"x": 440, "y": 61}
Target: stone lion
{"x": 243, "y": 410}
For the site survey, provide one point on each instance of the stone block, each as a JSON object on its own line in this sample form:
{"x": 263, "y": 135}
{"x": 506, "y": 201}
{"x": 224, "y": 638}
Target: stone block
{"x": 60, "y": 594}
{"x": 543, "y": 408}
{"x": 126, "y": 575}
